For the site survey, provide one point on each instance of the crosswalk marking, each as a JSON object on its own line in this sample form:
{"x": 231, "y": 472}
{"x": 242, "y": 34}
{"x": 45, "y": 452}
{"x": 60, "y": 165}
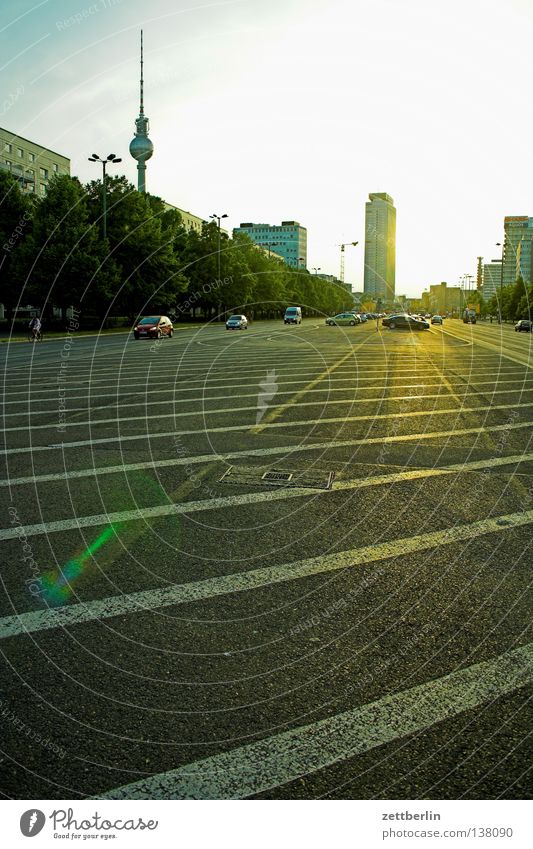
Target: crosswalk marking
{"x": 285, "y": 757}
{"x": 107, "y": 608}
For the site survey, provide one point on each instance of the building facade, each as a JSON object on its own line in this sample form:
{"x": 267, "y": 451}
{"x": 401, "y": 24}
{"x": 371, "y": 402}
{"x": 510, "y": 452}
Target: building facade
{"x": 288, "y": 240}
{"x": 516, "y": 229}
{"x": 524, "y": 257}
{"x": 380, "y": 247}
{"x": 445, "y": 299}
{"x": 492, "y": 279}
{"x": 30, "y": 163}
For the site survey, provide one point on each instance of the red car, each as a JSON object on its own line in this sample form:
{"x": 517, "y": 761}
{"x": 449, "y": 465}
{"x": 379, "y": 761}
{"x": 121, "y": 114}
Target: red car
{"x": 153, "y": 327}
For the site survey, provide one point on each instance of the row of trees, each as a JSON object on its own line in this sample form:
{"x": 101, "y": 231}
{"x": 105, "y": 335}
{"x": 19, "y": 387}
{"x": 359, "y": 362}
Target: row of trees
{"x": 53, "y": 254}
{"x": 514, "y": 302}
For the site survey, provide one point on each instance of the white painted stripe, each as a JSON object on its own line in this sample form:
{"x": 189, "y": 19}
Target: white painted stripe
{"x": 286, "y": 450}
{"x": 523, "y": 358}
{"x": 445, "y": 393}
{"x": 285, "y": 757}
{"x": 208, "y": 504}
{"x": 468, "y": 387}
{"x": 274, "y": 424}
{"x": 211, "y": 382}
{"x": 408, "y": 437}
{"x": 99, "y": 609}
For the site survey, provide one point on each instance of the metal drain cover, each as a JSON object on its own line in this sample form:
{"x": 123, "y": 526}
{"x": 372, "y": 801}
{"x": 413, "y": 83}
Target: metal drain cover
{"x": 277, "y": 477}
{"x": 259, "y": 475}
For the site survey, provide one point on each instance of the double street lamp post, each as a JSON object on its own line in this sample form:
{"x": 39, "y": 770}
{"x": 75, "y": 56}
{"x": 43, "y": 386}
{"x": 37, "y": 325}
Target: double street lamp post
{"x": 115, "y": 160}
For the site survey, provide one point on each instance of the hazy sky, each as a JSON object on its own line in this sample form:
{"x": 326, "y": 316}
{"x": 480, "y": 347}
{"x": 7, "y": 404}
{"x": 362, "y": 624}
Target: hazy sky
{"x": 296, "y": 109}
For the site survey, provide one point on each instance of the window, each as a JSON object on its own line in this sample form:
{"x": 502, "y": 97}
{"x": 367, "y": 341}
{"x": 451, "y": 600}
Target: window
{"x": 42, "y": 189}
{"x": 20, "y": 153}
{"x": 31, "y": 157}
{"x": 8, "y": 162}
{"x": 31, "y": 172}
{"x": 30, "y": 187}
{"x": 44, "y": 173}
{"x": 56, "y": 167}
{"x": 8, "y": 148}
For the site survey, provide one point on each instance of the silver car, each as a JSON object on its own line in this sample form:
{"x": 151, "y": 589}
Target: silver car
{"x": 237, "y": 322}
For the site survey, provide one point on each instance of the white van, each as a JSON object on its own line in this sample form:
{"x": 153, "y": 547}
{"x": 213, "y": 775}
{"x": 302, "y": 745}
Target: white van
{"x": 293, "y": 315}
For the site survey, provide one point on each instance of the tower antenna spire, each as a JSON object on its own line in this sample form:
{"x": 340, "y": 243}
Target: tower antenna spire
{"x": 141, "y": 111}
{"x": 141, "y": 148}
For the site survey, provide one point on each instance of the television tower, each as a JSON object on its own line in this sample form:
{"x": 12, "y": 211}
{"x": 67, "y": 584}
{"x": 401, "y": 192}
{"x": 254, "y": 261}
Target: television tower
{"x": 141, "y": 148}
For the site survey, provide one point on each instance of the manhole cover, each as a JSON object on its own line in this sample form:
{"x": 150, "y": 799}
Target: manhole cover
{"x": 258, "y": 476}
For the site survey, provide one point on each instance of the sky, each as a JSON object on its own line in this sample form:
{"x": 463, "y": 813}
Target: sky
{"x": 295, "y": 110}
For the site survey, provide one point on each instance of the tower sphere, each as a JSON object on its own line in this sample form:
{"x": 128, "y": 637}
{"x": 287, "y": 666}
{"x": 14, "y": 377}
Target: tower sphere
{"x": 141, "y": 148}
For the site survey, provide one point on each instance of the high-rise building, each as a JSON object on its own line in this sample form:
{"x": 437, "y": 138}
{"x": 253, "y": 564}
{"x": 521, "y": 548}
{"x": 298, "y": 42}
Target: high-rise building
{"x": 524, "y": 257}
{"x": 380, "y": 246}
{"x": 141, "y": 148}
{"x": 30, "y": 163}
{"x": 492, "y": 279}
{"x": 517, "y": 228}
{"x": 288, "y": 240}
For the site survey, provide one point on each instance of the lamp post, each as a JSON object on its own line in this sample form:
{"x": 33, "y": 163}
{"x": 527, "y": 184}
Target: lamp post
{"x": 316, "y": 270}
{"x": 218, "y": 219}
{"x": 298, "y": 261}
{"x": 270, "y": 245}
{"x": 115, "y": 160}
{"x": 502, "y": 246}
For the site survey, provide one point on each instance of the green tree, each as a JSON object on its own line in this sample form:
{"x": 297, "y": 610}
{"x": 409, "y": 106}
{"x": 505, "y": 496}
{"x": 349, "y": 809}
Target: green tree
{"x": 65, "y": 261}
{"x": 141, "y": 243}
{"x": 16, "y": 212}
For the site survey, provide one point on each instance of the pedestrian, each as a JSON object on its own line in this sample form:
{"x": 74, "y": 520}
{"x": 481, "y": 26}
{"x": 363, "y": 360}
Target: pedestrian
{"x": 491, "y": 318}
{"x": 377, "y": 323}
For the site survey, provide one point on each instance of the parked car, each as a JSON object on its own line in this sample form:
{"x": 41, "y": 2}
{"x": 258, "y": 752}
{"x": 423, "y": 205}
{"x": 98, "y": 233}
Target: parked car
{"x": 356, "y": 316}
{"x": 363, "y": 316}
{"x": 237, "y": 322}
{"x": 153, "y": 327}
{"x": 293, "y": 315}
{"x": 403, "y": 319}
{"x": 343, "y": 318}
{"x": 524, "y": 325}
{"x": 437, "y": 319}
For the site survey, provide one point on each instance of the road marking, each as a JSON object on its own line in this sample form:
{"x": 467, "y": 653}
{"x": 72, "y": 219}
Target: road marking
{"x": 203, "y": 399}
{"x": 41, "y": 620}
{"x": 212, "y": 382}
{"x": 271, "y": 424}
{"x": 285, "y": 757}
{"x": 524, "y": 360}
{"x": 436, "y": 434}
{"x": 278, "y": 411}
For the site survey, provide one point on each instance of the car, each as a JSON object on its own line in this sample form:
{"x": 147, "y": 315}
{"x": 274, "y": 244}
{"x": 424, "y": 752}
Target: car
{"x": 363, "y": 316}
{"x": 343, "y": 318}
{"x": 437, "y": 319}
{"x": 356, "y": 315}
{"x": 153, "y": 327}
{"x": 237, "y": 322}
{"x": 524, "y": 325}
{"x": 403, "y": 319}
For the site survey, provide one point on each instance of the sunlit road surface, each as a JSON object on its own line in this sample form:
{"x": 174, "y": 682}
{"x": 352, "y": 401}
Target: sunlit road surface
{"x": 168, "y": 634}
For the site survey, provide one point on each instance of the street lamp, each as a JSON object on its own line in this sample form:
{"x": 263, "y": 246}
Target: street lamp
{"x": 316, "y": 270}
{"x": 115, "y": 160}
{"x": 270, "y": 245}
{"x": 218, "y": 219}
{"x": 298, "y": 261}
{"x": 502, "y": 246}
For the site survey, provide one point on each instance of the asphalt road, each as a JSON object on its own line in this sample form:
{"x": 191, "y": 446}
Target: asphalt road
{"x": 167, "y": 633}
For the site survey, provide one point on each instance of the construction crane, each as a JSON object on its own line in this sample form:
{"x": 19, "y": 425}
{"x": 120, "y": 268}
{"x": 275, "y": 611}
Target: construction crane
{"x": 342, "y": 247}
